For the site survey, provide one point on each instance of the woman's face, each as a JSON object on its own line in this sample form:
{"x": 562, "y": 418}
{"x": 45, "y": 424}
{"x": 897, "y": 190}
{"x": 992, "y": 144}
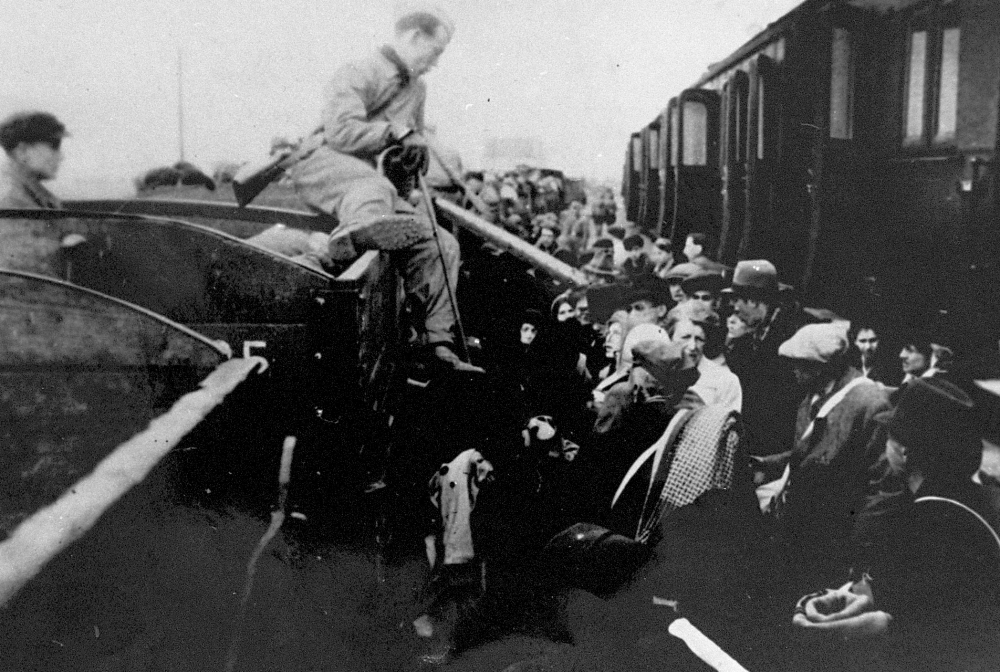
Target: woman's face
{"x": 691, "y": 338}
{"x": 914, "y": 362}
{"x": 735, "y": 327}
{"x": 565, "y": 312}
{"x": 528, "y": 333}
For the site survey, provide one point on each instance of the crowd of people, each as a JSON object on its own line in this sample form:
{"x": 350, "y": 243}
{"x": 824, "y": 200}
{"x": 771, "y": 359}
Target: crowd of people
{"x": 531, "y": 203}
{"x": 683, "y": 429}
{"x": 672, "y": 383}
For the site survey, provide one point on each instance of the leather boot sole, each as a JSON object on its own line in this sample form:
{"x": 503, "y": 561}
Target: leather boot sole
{"x": 387, "y": 232}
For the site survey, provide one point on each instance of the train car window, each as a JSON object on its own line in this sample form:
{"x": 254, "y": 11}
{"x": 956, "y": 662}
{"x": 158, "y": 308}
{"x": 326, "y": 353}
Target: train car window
{"x": 695, "y": 134}
{"x": 842, "y": 86}
{"x": 776, "y": 50}
{"x": 654, "y": 149}
{"x": 761, "y": 116}
{"x": 916, "y": 83}
{"x": 674, "y": 134}
{"x": 948, "y": 94}
{"x": 664, "y": 147}
{"x": 636, "y": 154}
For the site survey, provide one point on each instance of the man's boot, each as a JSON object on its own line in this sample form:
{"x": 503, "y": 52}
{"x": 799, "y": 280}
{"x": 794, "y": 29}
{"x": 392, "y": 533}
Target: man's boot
{"x": 381, "y": 232}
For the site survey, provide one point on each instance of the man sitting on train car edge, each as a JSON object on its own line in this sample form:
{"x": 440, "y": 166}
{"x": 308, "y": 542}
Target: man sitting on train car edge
{"x": 372, "y": 104}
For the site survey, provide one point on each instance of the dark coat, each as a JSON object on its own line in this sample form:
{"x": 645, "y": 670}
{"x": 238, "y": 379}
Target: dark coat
{"x": 830, "y": 471}
{"x": 770, "y": 394}
{"x": 934, "y": 569}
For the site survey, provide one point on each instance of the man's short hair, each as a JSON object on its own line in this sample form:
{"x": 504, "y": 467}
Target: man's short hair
{"x": 30, "y": 127}
{"x": 425, "y": 18}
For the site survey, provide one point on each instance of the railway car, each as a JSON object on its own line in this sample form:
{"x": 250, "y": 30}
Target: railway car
{"x": 329, "y": 340}
{"x": 854, "y": 144}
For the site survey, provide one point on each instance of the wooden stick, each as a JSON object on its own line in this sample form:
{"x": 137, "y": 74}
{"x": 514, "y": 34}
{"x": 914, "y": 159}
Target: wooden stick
{"x": 510, "y": 243}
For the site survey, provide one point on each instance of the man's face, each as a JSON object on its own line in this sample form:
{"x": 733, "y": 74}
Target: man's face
{"x": 751, "y": 311}
{"x": 425, "y": 50}
{"x": 642, "y": 311}
{"x": 914, "y": 362}
{"x": 546, "y": 237}
{"x": 704, "y": 297}
{"x": 808, "y": 374}
{"x": 40, "y": 159}
{"x": 583, "y": 311}
{"x": 676, "y": 293}
{"x": 691, "y": 249}
{"x": 867, "y": 343}
{"x": 691, "y": 337}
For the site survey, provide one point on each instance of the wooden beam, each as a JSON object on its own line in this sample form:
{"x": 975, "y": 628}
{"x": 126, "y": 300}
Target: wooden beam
{"x": 508, "y": 242}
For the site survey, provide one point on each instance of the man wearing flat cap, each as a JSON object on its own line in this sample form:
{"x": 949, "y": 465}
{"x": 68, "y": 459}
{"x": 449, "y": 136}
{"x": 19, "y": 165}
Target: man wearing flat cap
{"x": 770, "y": 396}
{"x": 836, "y": 444}
{"x": 371, "y": 105}
{"x": 676, "y": 276}
{"x": 32, "y": 143}
{"x": 704, "y": 287}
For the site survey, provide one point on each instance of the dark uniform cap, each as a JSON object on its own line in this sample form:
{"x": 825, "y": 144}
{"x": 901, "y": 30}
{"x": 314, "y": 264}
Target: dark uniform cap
{"x": 30, "y": 127}
{"x": 681, "y": 271}
{"x": 654, "y": 289}
{"x": 603, "y": 243}
{"x": 705, "y": 281}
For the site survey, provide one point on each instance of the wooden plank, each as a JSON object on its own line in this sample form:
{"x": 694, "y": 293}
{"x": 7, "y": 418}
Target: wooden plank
{"x": 507, "y": 242}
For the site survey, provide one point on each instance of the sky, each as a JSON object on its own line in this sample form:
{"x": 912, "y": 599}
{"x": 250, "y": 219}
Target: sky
{"x": 577, "y": 77}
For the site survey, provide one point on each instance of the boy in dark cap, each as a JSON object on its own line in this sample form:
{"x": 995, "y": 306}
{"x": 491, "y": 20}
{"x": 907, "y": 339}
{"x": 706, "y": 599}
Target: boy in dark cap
{"x": 32, "y": 142}
{"x": 637, "y": 264}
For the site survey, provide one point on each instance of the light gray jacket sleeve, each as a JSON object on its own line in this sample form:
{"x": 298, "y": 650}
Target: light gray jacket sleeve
{"x": 355, "y": 90}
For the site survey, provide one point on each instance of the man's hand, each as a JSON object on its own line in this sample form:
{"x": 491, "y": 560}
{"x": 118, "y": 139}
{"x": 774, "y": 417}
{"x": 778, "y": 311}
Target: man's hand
{"x": 847, "y": 612}
{"x": 414, "y": 139}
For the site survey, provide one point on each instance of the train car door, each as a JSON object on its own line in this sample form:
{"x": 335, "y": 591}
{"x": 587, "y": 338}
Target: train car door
{"x": 696, "y": 165}
{"x": 758, "y": 225}
{"x": 648, "y": 219}
{"x": 633, "y": 170}
{"x": 665, "y": 217}
{"x": 732, "y": 166}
